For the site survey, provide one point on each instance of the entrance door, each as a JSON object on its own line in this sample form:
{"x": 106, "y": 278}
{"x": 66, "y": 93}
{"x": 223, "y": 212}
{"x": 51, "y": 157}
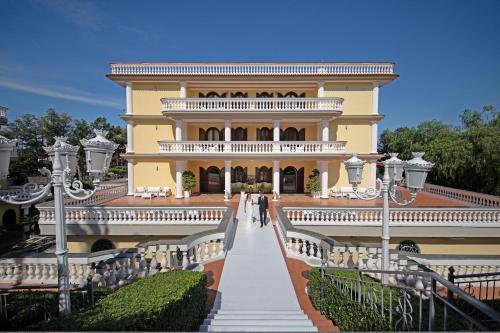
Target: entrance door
{"x": 290, "y": 180}
{"x": 214, "y": 184}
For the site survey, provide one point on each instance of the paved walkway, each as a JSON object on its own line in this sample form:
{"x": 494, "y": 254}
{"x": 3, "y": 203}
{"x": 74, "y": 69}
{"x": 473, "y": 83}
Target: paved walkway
{"x": 255, "y": 283}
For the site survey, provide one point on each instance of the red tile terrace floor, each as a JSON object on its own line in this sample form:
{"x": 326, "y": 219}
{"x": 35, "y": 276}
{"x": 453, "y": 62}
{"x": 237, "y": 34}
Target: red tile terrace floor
{"x": 423, "y": 200}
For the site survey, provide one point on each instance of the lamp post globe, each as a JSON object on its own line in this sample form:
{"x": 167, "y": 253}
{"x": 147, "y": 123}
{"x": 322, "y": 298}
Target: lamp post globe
{"x": 67, "y": 154}
{"x": 354, "y": 168}
{"x": 416, "y": 171}
{"x": 98, "y": 154}
{"x": 6, "y": 146}
{"x": 395, "y": 167}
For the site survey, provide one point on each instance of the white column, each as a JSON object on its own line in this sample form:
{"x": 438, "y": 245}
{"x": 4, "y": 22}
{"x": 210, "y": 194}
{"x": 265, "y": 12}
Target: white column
{"x": 182, "y": 89}
{"x": 323, "y": 170}
{"x": 178, "y": 130}
{"x": 276, "y": 131}
{"x": 375, "y": 98}
{"x": 325, "y": 130}
{"x": 276, "y": 177}
{"x": 321, "y": 89}
{"x": 373, "y": 174}
{"x": 227, "y": 130}
{"x": 130, "y": 139}
{"x": 227, "y": 177}
{"x": 130, "y": 178}
{"x": 180, "y": 166}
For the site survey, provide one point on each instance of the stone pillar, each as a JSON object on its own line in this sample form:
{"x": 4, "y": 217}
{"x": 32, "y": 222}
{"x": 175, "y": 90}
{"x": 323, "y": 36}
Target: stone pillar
{"x": 182, "y": 89}
{"x": 321, "y": 89}
{"x": 276, "y": 131}
{"x": 323, "y": 172}
{"x": 227, "y": 178}
{"x": 373, "y": 166}
{"x": 130, "y": 139}
{"x": 178, "y": 130}
{"x": 227, "y": 130}
{"x": 325, "y": 130}
{"x": 373, "y": 174}
{"x": 180, "y": 166}
{"x": 276, "y": 177}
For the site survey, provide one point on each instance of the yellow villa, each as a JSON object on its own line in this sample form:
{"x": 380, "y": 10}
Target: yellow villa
{"x": 234, "y": 123}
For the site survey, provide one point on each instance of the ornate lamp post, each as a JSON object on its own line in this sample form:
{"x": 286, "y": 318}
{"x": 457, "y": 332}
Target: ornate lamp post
{"x": 98, "y": 153}
{"x": 415, "y": 170}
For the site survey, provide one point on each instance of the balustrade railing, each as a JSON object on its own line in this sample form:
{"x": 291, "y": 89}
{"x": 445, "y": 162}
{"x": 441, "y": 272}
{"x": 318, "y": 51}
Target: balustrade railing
{"x": 333, "y": 104}
{"x": 252, "y": 147}
{"x": 136, "y": 215}
{"x": 474, "y": 198}
{"x": 398, "y": 216}
{"x": 115, "y": 268}
{"x": 252, "y": 68}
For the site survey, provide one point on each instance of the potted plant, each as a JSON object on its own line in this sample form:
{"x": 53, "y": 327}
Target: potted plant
{"x": 188, "y": 182}
{"x": 243, "y": 188}
{"x": 261, "y": 187}
{"x": 313, "y": 184}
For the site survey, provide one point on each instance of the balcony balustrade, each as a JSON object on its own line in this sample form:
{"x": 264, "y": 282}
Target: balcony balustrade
{"x": 262, "y": 148}
{"x": 252, "y": 69}
{"x": 333, "y": 104}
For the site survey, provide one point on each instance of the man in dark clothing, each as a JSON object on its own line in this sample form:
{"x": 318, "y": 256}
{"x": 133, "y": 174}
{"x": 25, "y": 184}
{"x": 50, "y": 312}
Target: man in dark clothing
{"x": 263, "y": 207}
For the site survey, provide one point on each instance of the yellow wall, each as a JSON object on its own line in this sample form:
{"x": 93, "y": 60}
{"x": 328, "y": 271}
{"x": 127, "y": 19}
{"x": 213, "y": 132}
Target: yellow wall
{"x": 146, "y": 97}
{"x": 154, "y": 173}
{"x": 337, "y": 176}
{"x": 358, "y": 97}
{"x": 438, "y": 245}
{"x": 358, "y": 135}
{"x": 146, "y": 137}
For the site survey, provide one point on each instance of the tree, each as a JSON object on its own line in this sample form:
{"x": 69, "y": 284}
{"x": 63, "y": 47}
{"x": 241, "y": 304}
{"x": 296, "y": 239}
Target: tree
{"x": 466, "y": 157}
{"x": 54, "y": 124}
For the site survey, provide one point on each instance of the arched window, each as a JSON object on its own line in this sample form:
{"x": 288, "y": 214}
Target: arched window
{"x": 239, "y": 175}
{"x": 264, "y": 174}
{"x": 212, "y": 94}
{"x": 239, "y": 134}
{"x": 291, "y": 134}
{"x": 239, "y": 94}
{"x": 9, "y": 217}
{"x": 408, "y": 246}
{"x": 213, "y": 134}
{"x": 265, "y": 94}
{"x": 264, "y": 134}
{"x": 213, "y": 179}
{"x": 102, "y": 245}
{"x": 290, "y": 180}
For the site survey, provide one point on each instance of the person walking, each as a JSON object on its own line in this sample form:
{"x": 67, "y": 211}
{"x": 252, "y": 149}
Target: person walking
{"x": 249, "y": 209}
{"x": 263, "y": 204}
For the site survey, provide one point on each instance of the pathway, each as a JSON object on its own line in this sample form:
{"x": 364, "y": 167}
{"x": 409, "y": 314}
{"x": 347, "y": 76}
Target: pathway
{"x": 255, "y": 292}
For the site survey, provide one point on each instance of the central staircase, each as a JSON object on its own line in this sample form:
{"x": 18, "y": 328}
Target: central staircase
{"x": 255, "y": 293}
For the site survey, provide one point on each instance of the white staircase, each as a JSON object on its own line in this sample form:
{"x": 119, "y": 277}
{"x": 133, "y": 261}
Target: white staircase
{"x": 255, "y": 293}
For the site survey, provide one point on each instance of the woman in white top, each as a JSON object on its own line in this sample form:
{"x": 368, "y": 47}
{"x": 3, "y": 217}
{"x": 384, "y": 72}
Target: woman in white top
{"x": 249, "y": 208}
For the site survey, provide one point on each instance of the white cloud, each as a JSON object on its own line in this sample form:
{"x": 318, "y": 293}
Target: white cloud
{"x": 60, "y": 92}
{"x": 81, "y": 13}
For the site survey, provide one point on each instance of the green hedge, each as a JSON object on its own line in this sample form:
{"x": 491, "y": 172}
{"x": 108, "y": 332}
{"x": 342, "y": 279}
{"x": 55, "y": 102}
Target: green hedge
{"x": 336, "y": 306}
{"x": 172, "y": 301}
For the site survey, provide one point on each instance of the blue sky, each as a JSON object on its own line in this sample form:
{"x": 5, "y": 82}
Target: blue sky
{"x": 56, "y": 53}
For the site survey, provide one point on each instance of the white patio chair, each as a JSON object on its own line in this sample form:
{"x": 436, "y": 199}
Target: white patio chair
{"x": 154, "y": 190}
{"x": 139, "y": 191}
{"x": 165, "y": 192}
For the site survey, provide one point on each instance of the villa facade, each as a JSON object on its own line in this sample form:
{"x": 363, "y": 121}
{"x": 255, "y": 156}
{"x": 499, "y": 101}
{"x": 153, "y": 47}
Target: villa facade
{"x": 234, "y": 123}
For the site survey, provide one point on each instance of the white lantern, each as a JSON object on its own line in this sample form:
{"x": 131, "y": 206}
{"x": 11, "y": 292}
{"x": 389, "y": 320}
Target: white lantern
{"x": 6, "y": 147}
{"x": 416, "y": 171}
{"x": 354, "y": 168}
{"x": 67, "y": 154}
{"x": 98, "y": 154}
{"x": 394, "y": 167}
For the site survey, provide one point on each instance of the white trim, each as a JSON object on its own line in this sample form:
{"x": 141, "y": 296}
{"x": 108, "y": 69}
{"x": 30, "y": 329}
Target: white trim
{"x": 323, "y": 169}
{"x": 128, "y": 97}
{"x": 375, "y": 97}
{"x": 276, "y": 131}
{"x": 276, "y": 176}
{"x": 180, "y": 166}
{"x": 373, "y": 174}
{"x": 227, "y": 130}
{"x": 130, "y": 178}
{"x": 178, "y": 130}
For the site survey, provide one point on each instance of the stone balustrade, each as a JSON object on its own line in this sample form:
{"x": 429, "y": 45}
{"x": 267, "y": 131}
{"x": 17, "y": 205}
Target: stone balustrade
{"x": 11, "y": 191}
{"x": 252, "y": 147}
{"x": 252, "y": 68}
{"x": 135, "y": 215}
{"x": 469, "y": 197}
{"x": 107, "y": 192}
{"x": 357, "y": 216}
{"x": 333, "y": 104}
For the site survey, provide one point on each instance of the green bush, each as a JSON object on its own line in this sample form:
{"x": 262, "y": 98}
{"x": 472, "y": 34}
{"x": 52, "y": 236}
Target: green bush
{"x": 338, "y": 307}
{"x": 172, "y": 301}
{"x": 188, "y": 180}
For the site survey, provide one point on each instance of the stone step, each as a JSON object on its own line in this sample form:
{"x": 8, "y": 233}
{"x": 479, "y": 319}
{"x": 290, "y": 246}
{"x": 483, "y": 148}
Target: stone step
{"x": 257, "y": 316}
{"x": 264, "y": 312}
{"x": 256, "y": 328}
{"x": 257, "y": 321}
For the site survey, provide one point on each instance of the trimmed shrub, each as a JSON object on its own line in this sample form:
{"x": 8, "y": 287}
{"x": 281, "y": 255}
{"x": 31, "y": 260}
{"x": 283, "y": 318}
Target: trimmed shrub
{"x": 172, "y": 301}
{"x": 338, "y": 307}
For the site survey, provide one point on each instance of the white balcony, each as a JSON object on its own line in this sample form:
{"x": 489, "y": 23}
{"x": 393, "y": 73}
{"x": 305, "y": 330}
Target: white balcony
{"x": 252, "y": 105}
{"x": 234, "y": 69}
{"x": 251, "y": 149}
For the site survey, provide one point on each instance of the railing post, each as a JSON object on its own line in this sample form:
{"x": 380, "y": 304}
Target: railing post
{"x": 90, "y": 290}
{"x": 432, "y": 308}
{"x": 451, "y": 278}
